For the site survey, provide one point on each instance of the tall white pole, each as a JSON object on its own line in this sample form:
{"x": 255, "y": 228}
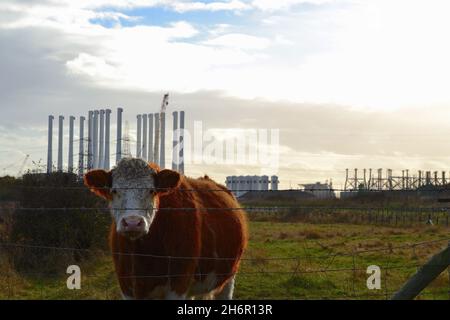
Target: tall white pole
{"x": 139, "y": 136}
{"x": 70, "y": 158}
{"x": 119, "y": 135}
{"x": 181, "y": 154}
{"x": 50, "y": 145}
{"x": 60, "y": 143}
{"x": 175, "y": 141}
{"x": 107, "y": 138}
{"x": 90, "y": 160}
{"x": 156, "y": 143}
{"x": 101, "y": 149}
{"x": 96, "y": 113}
{"x": 81, "y": 149}
{"x": 144, "y": 136}
{"x": 150, "y": 138}
{"x": 162, "y": 161}
{"x": 95, "y": 139}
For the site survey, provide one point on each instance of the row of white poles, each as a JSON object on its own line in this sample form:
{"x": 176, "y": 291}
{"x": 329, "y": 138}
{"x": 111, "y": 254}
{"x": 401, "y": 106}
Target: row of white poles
{"x": 148, "y": 146}
{"x": 99, "y": 124}
{"x": 98, "y": 153}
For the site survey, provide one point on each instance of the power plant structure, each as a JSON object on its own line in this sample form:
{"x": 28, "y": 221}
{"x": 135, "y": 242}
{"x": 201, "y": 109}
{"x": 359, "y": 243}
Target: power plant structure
{"x": 94, "y": 149}
{"x": 371, "y": 181}
{"x": 319, "y": 190}
{"x": 240, "y": 185}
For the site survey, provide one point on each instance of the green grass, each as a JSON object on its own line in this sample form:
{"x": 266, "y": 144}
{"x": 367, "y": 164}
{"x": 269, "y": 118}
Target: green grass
{"x": 315, "y": 246}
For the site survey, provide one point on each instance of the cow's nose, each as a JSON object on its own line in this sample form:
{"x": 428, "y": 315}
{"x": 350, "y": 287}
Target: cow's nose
{"x": 133, "y": 226}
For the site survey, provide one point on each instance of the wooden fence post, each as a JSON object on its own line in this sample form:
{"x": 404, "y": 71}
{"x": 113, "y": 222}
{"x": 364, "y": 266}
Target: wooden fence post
{"x": 424, "y": 276}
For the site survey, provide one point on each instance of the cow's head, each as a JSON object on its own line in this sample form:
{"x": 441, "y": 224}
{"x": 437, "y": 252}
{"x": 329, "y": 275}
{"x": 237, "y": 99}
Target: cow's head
{"x": 132, "y": 188}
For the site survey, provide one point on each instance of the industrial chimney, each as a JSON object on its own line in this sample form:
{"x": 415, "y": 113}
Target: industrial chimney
{"x": 107, "y": 139}
{"x": 81, "y": 149}
{"x": 175, "y": 141}
{"x": 90, "y": 159}
{"x": 50, "y": 145}
{"x": 162, "y": 161}
{"x": 156, "y": 144}
{"x": 150, "y": 138}
{"x": 119, "y": 135}
{"x": 60, "y": 143}
{"x": 95, "y": 139}
{"x": 70, "y": 158}
{"x": 181, "y": 154}
{"x": 144, "y": 137}
{"x": 138, "y": 137}
{"x": 101, "y": 148}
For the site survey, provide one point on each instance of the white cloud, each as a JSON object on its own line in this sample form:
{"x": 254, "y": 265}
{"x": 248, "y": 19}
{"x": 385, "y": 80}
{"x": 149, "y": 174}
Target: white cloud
{"x": 271, "y": 5}
{"x": 219, "y": 29}
{"x": 177, "y": 5}
{"x": 359, "y": 55}
{"x": 92, "y": 66}
{"x": 233, "y": 5}
{"x": 240, "y": 41}
{"x": 116, "y": 16}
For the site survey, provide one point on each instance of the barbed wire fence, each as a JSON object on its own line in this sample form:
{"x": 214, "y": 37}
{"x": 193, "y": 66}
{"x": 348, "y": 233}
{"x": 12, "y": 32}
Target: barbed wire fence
{"x": 356, "y": 273}
{"x": 293, "y": 269}
{"x": 404, "y": 216}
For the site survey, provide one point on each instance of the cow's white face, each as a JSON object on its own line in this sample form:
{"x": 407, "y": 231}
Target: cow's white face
{"x": 133, "y": 205}
{"x": 133, "y": 189}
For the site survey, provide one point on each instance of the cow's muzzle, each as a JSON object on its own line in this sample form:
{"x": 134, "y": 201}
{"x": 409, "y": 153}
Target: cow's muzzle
{"x": 133, "y": 227}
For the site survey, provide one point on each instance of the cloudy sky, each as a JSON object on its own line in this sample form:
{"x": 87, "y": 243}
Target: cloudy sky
{"x": 348, "y": 83}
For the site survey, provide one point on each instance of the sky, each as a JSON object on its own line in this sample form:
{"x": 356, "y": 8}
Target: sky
{"x": 348, "y": 83}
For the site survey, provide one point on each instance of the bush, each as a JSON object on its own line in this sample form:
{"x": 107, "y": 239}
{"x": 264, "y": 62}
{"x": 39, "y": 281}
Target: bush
{"x": 43, "y": 224}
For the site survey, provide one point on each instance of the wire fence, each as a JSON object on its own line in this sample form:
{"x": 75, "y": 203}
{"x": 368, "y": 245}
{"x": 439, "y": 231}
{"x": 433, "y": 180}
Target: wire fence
{"x": 319, "y": 274}
{"x": 375, "y": 215}
{"x": 324, "y": 273}
{"x": 425, "y": 189}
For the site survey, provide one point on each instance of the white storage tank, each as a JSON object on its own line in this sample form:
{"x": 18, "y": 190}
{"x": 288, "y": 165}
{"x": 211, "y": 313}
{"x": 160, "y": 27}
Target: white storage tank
{"x": 264, "y": 183}
{"x": 274, "y": 183}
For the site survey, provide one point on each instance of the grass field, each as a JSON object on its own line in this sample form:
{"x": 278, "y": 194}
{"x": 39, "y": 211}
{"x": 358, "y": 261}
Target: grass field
{"x": 325, "y": 261}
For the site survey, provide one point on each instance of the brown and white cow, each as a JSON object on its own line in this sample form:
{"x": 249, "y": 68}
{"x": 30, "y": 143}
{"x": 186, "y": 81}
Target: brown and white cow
{"x": 169, "y": 241}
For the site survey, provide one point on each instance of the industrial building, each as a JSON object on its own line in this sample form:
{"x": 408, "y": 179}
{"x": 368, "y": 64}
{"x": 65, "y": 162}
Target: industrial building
{"x": 319, "y": 190}
{"x": 240, "y": 185}
{"x": 389, "y": 181}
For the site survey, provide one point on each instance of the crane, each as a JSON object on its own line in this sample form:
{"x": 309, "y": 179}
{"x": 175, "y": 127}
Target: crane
{"x": 22, "y": 166}
{"x": 164, "y": 104}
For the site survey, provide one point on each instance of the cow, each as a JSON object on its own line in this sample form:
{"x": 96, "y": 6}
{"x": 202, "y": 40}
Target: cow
{"x": 171, "y": 237}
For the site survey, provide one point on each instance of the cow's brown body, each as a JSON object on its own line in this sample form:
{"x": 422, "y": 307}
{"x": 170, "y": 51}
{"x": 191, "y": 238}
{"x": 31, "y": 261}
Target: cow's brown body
{"x": 190, "y": 248}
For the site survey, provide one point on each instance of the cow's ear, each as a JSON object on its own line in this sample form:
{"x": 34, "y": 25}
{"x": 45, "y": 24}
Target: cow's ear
{"x": 167, "y": 180}
{"x": 99, "y": 182}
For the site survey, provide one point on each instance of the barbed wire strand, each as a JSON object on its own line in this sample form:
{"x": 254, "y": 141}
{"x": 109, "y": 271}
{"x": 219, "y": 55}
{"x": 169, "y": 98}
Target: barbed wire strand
{"x": 341, "y": 254}
{"x": 426, "y": 189}
{"x": 255, "y": 208}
